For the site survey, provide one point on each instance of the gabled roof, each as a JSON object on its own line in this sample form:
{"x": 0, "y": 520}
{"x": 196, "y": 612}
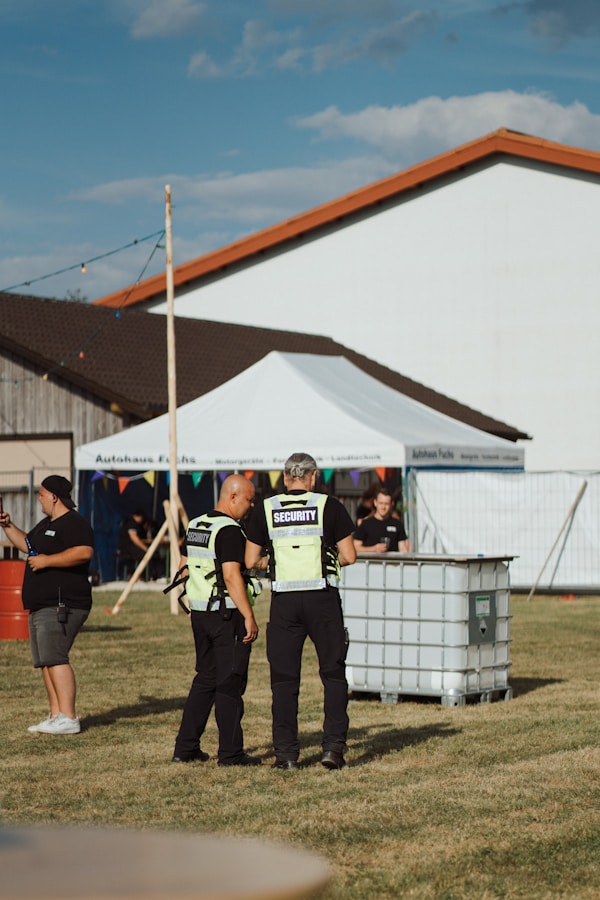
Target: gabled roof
{"x": 122, "y": 357}
{"x": 502, "y": 142}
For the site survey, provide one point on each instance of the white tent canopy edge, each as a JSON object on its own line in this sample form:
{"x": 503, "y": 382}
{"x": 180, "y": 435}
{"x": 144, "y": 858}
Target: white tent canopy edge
{"x": 298, "y": 401}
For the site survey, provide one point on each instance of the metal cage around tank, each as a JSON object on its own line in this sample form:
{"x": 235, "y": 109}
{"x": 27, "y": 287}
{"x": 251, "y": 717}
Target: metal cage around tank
{"x": 434, "y": 626}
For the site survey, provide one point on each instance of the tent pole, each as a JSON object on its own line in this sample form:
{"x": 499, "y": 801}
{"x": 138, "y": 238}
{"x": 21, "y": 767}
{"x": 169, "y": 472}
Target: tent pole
{"x": 139, "y": 569}
{"x": 172, "y": 385}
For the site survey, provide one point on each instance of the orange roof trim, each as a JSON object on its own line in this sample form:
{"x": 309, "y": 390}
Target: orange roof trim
{"x": 511, "y": 143}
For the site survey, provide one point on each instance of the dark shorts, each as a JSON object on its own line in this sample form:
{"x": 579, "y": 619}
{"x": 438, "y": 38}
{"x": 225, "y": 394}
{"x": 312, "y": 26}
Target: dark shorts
{"x": 50, "y": 641}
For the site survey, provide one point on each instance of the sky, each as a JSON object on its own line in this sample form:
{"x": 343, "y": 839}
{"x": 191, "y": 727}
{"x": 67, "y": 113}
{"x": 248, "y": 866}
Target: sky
{"x": 252, "y": 111}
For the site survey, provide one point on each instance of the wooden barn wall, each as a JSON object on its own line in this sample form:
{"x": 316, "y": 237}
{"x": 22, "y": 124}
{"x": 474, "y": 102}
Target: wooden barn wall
{"x": 31, "y": 405}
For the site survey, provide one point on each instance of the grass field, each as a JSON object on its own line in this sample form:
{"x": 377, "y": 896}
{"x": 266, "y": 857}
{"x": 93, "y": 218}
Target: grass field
{"x": 482, "y": 801}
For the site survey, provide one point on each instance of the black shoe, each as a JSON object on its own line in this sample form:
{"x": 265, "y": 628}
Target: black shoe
{"x": 244, "y": 760}
{"x": 198, "y": 756}
{"x": 332, "y": 760}
{"x": 288, "y": 764}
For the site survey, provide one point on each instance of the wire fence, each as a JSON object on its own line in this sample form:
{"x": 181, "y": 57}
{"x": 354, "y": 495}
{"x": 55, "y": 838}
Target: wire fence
{"x": 549, "y": 521}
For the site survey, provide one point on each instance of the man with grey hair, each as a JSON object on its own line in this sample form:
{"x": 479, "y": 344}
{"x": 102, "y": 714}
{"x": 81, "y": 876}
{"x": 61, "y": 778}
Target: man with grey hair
{"x": 307, "y": 536}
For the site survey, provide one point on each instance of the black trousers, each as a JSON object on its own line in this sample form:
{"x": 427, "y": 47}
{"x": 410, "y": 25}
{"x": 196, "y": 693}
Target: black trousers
{"x": 221, "y": 675}
{"x": 294, "y": 616}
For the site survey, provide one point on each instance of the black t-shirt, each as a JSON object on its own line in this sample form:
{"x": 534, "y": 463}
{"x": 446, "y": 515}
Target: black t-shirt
{"x": 126, "y": 545}
{"x": 41, "y": 588}
{"x": 372, "y": 530}
{"x": 337, "y": 523}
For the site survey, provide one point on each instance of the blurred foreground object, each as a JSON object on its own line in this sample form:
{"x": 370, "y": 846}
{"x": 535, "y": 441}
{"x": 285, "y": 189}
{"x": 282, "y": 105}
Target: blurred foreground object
{"x": 91, "y": 863}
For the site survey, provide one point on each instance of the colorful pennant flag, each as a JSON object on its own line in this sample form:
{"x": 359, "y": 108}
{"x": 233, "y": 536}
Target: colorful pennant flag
{"x": 123, "y": 482}
{"x": 355, "y": 476}
{"x": 380, "y": 473}
{"x": 274, "y": 477}
{"x": 150, "y": 477}
{"x": 327, "y": 473}
{"x": 197, "y": 478}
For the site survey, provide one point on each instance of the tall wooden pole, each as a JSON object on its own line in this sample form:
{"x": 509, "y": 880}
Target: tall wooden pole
{"x": 172, "y": 380}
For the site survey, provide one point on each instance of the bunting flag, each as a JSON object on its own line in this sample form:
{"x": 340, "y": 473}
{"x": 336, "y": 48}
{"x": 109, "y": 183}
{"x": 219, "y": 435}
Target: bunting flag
{"x": 274, "y": 477}
{"x": 150, "y": 477}
{"x": 97, "y": 475}
{"x": 249, "y": 474}
{"x": 380, "y": 473}
{"x": 327, "y": 473}
{"x": 168, "y": 474}
{"x": 222, "y": 475}
{"x": 355, "y": 476}
{"x": 197, "y": 478}
{"x": 123, "y": 482}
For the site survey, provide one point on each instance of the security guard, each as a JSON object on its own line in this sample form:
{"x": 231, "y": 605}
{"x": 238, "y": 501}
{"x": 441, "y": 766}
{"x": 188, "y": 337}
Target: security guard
{"x": 223, "y": 624}
{"x": 307, "y": 536}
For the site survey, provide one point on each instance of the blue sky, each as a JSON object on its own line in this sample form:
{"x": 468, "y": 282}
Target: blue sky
{"x": 253, "y": 111}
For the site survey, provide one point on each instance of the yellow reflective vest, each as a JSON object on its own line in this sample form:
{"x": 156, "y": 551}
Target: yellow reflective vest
{"x": 299, "y": 561}
{"x": 205, "y": 586}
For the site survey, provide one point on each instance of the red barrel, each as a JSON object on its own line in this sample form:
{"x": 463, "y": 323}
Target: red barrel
{"x": 14, "y": 625}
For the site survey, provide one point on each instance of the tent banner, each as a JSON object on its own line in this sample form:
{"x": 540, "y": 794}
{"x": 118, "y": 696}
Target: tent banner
{"x": 356, "y": 422}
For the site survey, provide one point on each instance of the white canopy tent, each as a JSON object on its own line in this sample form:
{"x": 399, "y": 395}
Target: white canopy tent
{"x": 298, "y": 401}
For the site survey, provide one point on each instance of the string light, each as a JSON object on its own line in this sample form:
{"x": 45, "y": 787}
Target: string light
{"x": 80, "y": 353}
{"x": 83, "y": 265}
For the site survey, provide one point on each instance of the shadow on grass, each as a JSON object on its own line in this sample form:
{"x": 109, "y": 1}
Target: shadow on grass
{"x": 148, "y": 706}
{"x": 390, "y": 739}
{"x": 376, "y": 741}
{"x": 108, "y": 628}
{"x": 521, "y": 686}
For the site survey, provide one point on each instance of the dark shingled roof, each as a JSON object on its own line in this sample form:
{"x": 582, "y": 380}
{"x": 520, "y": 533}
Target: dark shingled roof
{"x": 121, "y": 356}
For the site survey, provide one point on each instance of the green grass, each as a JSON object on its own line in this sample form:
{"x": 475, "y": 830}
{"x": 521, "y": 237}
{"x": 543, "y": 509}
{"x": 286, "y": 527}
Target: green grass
{"x": 496, "y": 800}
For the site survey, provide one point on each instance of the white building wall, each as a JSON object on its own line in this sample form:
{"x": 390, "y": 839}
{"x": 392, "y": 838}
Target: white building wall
{"x": 484, "y": 288}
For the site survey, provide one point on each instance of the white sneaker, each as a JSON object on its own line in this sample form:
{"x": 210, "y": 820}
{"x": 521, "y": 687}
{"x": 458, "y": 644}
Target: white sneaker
{"x": 34, "y": 728}
{"x": 60, "y": 724}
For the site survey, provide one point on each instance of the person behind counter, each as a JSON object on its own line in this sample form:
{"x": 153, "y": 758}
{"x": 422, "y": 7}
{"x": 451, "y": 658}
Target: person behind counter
{"x": 381, "y": 532}
{"x": 132, "y": 540}
{"x": 57, "y": 593}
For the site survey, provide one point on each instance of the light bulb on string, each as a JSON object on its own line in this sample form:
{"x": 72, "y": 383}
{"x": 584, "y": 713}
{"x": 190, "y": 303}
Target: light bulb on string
{"x": 83, "y": 269}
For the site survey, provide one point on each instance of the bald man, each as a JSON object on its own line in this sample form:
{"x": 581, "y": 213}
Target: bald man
{"x": 223, "y": 625}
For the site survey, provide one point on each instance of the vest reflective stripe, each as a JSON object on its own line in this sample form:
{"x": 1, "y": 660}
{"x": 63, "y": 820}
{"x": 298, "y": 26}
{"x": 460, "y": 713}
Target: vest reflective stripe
{"x": 317, "y": 585}
{"x": 297, "y": 530}
{"x": 295, "y": 527}
{"x": 202, "y": 562}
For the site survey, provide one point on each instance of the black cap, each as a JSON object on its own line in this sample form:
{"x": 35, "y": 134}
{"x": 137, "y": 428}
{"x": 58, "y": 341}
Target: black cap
{"x": 62, "y": 487}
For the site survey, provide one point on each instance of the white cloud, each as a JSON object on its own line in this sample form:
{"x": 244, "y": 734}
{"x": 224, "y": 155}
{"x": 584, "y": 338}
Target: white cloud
{"x": 202, "y": 66}
{"x": 249, "y": 199}
{"x": 408, "y": 134}
{"x": 384, "y": 44}
{"x": 263, "y": 47}
{"x": 162, "y": 18}
{"x": 560, "y": 20}
{"x": 252, "y": 55}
